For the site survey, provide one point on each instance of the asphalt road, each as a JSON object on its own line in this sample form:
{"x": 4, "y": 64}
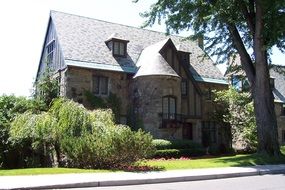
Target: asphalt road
{"x": 265, "y": 182}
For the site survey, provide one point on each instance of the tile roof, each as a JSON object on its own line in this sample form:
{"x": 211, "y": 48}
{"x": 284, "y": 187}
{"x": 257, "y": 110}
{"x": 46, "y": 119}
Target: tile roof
{"x": 278, "y": 73}
{"x": 82, "y": 40}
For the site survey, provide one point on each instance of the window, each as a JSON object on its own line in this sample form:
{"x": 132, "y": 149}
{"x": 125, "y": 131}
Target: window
{"x": 209, "y": 133}
{"x": 168, "y": 108}
{"x": 236, "y": 82}
{"x": 283, "y": 110}
{"x": 184, "y": 87}
{"x": 50, "y": 51}
{"x": 240, "y": 83}
{"x": 209, "y": 94}
{"x": 119, "y": 48}
{"x": 100, "y": 85}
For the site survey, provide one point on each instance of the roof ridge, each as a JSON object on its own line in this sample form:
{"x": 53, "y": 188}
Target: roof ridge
{"x": 167, "y": 35}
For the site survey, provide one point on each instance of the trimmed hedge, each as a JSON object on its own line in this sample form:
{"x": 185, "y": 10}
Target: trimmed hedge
{"x": 161, "y": 144}
{"x": 177, "y": 148}
{"x": 178, "y": 153}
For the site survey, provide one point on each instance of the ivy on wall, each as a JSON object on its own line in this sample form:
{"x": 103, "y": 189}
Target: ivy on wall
{"x": 112, "y": 102}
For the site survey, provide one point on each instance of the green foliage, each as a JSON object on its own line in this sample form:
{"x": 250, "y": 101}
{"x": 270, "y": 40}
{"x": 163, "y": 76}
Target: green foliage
{"x": 178, "y": 153}
{"x": 177, "y": 148}
{"x": 213, "y": 19}
{"x": 10, "y": 107}
{"x": 167, "y": 153}
{"x": 112, "y": 102}
{"x": 162, "y": 144}
{"x": 79, "y": 138}
{"x": 239, "y": 113}
{"x": 46, "y": 88}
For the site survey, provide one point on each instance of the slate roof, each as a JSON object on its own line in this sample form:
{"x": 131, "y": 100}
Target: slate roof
{"x": 152, "y": 63}
{"x": 278, "y": 73}
{"x": 82, "y": 41}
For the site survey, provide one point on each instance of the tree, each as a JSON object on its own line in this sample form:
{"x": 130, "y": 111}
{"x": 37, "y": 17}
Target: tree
{"x": 46, "y": 89}
{"x": 239, "y": 113}
{"x": 235, "y": 26}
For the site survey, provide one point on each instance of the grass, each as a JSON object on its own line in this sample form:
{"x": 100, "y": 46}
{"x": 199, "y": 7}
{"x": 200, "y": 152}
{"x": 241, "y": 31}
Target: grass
{"x": 37, "y": 171}
{"x": 228, "y": 161}
{"x": 225, "y": 161}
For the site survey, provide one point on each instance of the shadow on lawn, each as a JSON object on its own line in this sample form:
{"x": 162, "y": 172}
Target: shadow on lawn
{"x": 251, "y": 160}
{"x": 138, "y": 168}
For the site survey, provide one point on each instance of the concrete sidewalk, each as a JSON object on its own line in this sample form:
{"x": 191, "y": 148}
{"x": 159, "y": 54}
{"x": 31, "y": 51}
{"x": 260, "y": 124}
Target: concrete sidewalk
{"x": 128, "y": 178}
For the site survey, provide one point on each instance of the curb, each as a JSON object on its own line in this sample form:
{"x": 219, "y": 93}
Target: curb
{"x": 168, "y": 177}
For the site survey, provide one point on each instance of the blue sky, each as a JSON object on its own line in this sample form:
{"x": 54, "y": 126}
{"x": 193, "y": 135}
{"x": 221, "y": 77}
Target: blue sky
{"x": 23, "y": 27}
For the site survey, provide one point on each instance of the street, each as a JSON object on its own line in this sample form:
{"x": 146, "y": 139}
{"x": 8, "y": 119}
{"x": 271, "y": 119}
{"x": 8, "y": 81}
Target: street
{"x": 265, "y": 182}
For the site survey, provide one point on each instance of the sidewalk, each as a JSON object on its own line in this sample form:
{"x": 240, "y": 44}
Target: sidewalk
{"x": 128, "y": 178}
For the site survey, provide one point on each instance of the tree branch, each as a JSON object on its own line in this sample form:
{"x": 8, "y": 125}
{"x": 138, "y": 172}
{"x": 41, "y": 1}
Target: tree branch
{"x": 249, "y": 15}
{"x": 246, "y": 61}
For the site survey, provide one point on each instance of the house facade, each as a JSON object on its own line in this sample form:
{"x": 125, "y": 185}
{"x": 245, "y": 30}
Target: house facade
{"x": 164, "y": 83}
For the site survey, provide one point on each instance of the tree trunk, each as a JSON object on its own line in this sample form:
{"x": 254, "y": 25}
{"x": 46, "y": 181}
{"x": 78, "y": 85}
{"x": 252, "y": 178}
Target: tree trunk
{"x": 264, "y": 111}
{"x": 262, "y": 94}
{"x": 258, "y": 75}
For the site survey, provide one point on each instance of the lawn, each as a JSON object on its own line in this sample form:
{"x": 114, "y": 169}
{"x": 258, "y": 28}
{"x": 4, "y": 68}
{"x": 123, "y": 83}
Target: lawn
{"x": 225, "y": 161}
{"x": 37, "y": 171}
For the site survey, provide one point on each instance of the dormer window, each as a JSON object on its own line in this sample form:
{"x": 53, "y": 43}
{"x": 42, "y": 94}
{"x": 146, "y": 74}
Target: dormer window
{"x": 119, "y": 48}
{"x": 117, "y": 44}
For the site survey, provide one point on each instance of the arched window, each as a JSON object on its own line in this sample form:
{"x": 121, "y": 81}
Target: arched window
{"x": 169, "y": 107}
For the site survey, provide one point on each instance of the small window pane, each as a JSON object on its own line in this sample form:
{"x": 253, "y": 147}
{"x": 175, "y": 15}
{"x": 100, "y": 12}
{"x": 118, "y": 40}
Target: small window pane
{"x": 171, "y": 108}
{"x": 283, "y": 109}
{"x": 184, "y": 87}
{"x": 104, "y": 85}
{"x": 95, "y": 85}
{"x": 122, "y": 48}
{"x": 165, "y": 108}
{"x": 116, "y": 48}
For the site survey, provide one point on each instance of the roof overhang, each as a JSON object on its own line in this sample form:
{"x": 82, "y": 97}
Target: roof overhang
{"x": 210, "y": 80}
{"x": 100, "y": 66}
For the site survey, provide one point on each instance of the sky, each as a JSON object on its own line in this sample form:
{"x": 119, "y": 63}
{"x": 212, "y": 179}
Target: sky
{"x": 24, "y": 24}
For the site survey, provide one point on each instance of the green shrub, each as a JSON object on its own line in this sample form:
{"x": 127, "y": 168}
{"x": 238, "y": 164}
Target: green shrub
{"x": 10, "y": 107}
{"x": 161, "y": 144}
{"x": 91, "y": 139}
{"x": 167, "y": 153}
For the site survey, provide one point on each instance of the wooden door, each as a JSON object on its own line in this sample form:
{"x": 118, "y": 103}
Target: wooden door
{"x": 187, "y": 131}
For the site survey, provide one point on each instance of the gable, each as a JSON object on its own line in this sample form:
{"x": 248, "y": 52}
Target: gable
{"x": 51, "y": 54}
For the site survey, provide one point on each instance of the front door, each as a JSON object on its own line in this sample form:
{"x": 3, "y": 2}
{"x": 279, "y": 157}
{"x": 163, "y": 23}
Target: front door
{"x": 187, "y": 131}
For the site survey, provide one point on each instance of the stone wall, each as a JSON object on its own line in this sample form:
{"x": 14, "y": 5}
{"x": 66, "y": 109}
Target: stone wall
{"x": 148, "y": 92}
{"x": 79, "y": 80}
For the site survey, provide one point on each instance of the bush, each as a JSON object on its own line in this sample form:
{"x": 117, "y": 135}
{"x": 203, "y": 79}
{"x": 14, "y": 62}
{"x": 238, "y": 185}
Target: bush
{"x": 168, "y": 153}
{"x": 10, "y": 107}
{"x": 178, "y": 153}
{"x": 161, "y": 144}
{"x": 80, "y": 138}
{"x": 177, "y": 148}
